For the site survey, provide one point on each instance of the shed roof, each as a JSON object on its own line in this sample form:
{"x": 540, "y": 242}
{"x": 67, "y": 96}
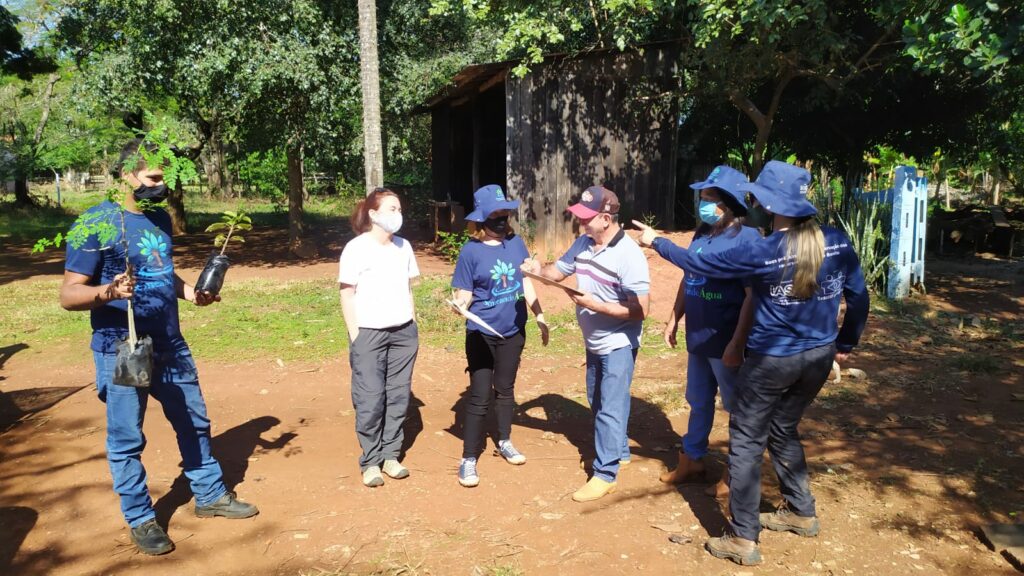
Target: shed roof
{"x": 479, "y": 77}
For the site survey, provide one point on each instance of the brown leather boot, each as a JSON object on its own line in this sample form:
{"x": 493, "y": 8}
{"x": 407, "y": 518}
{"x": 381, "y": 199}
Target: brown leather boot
{"x": 688, "y": 470}
{"x": 720, "y": 490}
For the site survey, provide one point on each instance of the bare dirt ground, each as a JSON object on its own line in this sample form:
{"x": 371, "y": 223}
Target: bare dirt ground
{"x": 906, "y": 463}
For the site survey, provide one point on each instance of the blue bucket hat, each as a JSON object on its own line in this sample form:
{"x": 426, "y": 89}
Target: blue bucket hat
{"x": 782, "y": 189}
{"x": 488, "y": 199}
{"x": 727, "y": 180}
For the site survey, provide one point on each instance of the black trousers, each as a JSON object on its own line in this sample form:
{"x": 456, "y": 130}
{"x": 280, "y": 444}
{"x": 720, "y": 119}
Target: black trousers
{"x": 493, "y": 364}
{"x": 772, "y": 394}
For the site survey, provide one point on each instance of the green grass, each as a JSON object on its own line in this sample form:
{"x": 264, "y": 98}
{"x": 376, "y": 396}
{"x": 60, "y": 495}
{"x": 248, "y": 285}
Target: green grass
{"x": 30, "y": 313}
{"x": 290, "y": 320}
{"x": 20, "y": 224}
{"x": 975, "y": 363}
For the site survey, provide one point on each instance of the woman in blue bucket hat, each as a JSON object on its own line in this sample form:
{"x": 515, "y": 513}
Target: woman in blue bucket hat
{"x": 488, "y": 283}
{"x": 799, "y": 274}
{"x": 716, "y": 331}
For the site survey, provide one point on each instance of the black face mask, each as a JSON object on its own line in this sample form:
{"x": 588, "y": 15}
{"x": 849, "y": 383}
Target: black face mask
{"x": 157, "y": 193}
{"x": 758, "y": 217}
{"x": 497, "y": 225}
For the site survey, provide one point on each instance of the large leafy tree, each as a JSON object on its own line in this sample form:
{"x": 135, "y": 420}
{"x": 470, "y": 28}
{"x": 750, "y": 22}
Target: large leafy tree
{"x": 271, "y": 71}
{"x": 748, "y": 53}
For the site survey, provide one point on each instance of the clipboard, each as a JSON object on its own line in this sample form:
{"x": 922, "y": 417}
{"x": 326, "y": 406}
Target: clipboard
{"x": 549, "y": 282}
{"x": 470, "y": 316}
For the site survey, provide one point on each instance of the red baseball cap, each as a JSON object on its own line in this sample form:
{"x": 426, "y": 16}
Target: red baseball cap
{"x": 595, "y": 200}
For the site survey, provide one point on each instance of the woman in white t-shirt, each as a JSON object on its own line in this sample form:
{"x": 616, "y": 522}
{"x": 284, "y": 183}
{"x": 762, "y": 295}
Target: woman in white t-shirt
{"x": 377, "y": 303}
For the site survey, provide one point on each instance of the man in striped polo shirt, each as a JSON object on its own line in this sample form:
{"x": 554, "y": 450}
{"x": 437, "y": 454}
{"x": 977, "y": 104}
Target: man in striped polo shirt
{"x": 611, "y": 271}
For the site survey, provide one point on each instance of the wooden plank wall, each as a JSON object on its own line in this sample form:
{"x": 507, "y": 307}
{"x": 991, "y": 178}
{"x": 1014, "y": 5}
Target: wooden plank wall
{"x": 608, "y": 119}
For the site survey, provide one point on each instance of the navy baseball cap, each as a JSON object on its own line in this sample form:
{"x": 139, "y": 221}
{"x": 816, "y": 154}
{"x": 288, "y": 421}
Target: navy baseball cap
{"x": 727, "y": 180}
{"x": 487, "y": 200}
{"x": 595, "y": 200}
{"x": 781, "y": 188}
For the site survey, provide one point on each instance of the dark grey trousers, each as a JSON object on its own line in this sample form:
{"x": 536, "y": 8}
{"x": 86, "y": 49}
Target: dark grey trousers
{"x": 382, "y": 363}
{"x": 772, "y": 394}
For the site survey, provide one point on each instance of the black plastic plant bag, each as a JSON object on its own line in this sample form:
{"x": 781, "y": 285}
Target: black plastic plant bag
{"x": 134, "y": 367}
{"x": 211, "y": 279}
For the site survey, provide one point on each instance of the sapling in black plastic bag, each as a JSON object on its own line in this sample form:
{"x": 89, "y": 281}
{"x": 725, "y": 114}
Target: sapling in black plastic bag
{"x": 134, "y": 363}
{"x": 211, "y": 279}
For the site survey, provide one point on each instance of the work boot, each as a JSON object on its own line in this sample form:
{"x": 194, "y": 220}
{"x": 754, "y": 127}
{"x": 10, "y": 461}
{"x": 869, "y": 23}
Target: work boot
{"x": 721, "y": 489}
{"x": 739, "y": 550}
{"x": 395, "y": 470}
{"x": 782, "y": 520}
{"x": 372, "y": 477}
{"x": 688, "y": 470}
{"x": 594, "y": 489}
{"x": 151, "y": 539}
{"x": 227, "y": 506}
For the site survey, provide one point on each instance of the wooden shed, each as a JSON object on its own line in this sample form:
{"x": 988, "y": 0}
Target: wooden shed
{"x": 603, "y": 117}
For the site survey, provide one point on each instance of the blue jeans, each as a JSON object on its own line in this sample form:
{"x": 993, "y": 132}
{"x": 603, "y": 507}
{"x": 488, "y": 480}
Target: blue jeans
{"x": 176, "y": 386}
{"x": 608, "y": 379}
{"x": 705, "y": 376}
{"x": 773, "y": 393}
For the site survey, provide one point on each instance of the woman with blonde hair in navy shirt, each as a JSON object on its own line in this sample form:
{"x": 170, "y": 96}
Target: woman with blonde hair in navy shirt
{"x": 798, "y": 274}
{"x": 718, "y": 315}
{"x": 488, "y": 283}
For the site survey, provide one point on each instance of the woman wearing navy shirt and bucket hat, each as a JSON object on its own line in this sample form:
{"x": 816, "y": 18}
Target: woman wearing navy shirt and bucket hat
{"x": 718, "y": 315}
{"x": 488, "y": 283}
{"x": 798, "y": 275}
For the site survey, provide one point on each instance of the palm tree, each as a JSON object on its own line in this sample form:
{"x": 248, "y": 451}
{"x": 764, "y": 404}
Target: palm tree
{"x": 369, "y": 79}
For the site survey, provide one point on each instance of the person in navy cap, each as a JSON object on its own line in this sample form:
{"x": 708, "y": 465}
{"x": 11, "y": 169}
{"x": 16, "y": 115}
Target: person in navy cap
{"x": 611, "y": 271}
{"x": 488, "y": 282}
{"x": 798, "y": 274}
{"x": 716, "y": 330}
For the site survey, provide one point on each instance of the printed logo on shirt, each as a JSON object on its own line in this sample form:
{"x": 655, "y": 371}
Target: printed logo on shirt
{"x": 506, "y": 286}
{"x": 781, "y": 294}
{"x": 157, "y": 271}
{"x": 832, "y": 287}
{"x": 694, "y": 287}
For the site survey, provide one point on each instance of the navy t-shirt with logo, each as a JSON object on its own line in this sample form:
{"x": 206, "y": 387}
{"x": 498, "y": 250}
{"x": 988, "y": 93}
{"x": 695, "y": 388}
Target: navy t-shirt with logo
{"x": 148, "y": 241}
{"x": 713, "y": 304}
{"x": 492, "y": 274}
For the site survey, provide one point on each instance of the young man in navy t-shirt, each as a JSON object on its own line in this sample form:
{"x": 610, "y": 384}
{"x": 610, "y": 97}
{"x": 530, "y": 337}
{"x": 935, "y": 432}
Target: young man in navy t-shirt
{"x": 95, "y": 279}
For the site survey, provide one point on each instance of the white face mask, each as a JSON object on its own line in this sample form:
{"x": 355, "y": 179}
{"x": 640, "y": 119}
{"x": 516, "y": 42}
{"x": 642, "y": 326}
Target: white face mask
{"x": 391, "y": 222}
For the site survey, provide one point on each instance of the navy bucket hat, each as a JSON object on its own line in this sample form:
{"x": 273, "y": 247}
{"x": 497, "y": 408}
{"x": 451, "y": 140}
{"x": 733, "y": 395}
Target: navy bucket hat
{"x": 781, "y": 189}
{"x": 727, "y": 180}
{"x": 487, "y": 200}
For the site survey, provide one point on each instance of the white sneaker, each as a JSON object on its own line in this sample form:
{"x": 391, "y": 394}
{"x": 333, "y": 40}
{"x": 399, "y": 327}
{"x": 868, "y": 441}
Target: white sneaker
{"x": 467, "y": 473}
{"x": 372, "y": 477}
{"x": 510, "y": 454}
{"x": 395, "y": 470}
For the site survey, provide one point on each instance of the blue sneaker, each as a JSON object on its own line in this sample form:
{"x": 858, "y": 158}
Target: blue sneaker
{"x": 510, "y": 454}
{"x": 467, "y": 473}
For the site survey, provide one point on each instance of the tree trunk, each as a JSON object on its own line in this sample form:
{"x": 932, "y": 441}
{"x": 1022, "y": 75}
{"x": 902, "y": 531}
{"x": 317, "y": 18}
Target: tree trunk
{"x": 764, "y": 121}
{"x": 297, "y": 243}
{"x": 369, "y": 79}
{"x": 176, "y": 209}
{"x": 217, "y": 175}
{"x": 21, "y": 195}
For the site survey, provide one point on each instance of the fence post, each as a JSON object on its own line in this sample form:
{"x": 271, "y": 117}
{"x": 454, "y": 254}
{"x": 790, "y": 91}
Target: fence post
{"x": 909, "y": 219}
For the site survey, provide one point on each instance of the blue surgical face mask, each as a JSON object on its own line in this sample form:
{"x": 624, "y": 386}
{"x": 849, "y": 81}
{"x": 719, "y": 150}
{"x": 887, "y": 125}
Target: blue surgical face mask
{"x": 709, "y": 212}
